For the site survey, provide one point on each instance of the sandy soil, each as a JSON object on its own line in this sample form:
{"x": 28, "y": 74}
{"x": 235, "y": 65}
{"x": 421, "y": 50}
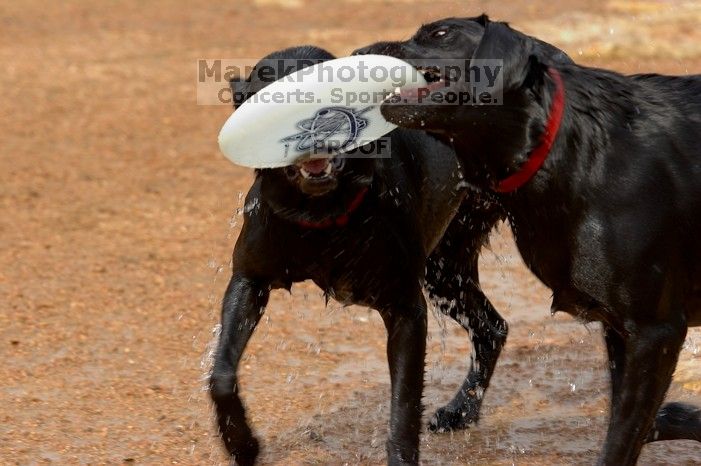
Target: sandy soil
{"x": 119, "y": 216}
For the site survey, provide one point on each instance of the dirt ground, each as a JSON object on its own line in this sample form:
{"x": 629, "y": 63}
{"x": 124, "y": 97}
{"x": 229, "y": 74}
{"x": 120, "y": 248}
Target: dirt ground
{"x": 119, "y": 215}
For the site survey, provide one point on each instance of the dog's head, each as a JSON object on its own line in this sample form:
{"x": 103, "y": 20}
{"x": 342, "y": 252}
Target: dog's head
{"x": 445, "y": 40}
{"x": 450, "y": 52}
{"x": 311, "y": 177}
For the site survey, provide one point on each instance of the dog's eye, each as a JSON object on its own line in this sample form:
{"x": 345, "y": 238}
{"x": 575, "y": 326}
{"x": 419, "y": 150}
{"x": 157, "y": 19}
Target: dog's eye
{"x": 439, "y": 33}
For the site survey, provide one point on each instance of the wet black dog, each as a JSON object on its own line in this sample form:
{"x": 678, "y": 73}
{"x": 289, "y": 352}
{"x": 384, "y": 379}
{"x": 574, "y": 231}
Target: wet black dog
{"x": 599, "y": 174}
{"x": 368, "y": 231}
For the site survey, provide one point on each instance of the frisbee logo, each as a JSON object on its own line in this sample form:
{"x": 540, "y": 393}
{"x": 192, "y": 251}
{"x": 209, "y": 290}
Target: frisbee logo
{"x": 334, "y": 127}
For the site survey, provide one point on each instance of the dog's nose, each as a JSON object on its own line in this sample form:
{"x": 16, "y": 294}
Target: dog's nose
{"x": 363, "y": 50}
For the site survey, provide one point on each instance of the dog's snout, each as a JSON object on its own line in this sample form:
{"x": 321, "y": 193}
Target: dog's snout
{"x": 379, "y": 48}
{"x": 291, "y": 172}
{"x": 362, "y": 50}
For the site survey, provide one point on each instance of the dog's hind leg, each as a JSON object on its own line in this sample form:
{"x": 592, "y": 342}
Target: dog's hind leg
{"x": 242, "y": 308}
{"x": 452, "y": 282}
{"x": 488, "y": 331}
{"x": 650, "y": 354}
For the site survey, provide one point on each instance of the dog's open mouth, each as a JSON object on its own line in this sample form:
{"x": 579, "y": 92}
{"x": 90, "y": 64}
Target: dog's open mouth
{"x": 320, "y": 168}
{"x": 432, "y": 74}
{"x": 435, "y": 79}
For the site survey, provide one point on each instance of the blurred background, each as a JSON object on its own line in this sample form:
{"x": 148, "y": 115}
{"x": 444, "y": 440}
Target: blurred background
{"x": 119, "y": 215}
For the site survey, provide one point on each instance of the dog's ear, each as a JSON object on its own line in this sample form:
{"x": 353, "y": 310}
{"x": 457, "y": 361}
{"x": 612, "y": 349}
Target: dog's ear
{"x": 515, "y": 50}
{"x": 482, "y": 19}
{"x": 268, "y": 69}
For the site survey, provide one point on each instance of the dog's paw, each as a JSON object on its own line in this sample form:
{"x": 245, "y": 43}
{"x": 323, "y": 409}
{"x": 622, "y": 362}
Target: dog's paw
{"x": 446, "y": 419}
{"x": 402, "y": 455}
{"x": 246, "y": 454}
{"x": 676, "y": 421}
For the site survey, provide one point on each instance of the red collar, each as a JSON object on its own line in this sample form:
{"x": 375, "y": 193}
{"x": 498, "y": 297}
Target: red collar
{"x": 339, "y": 221}
{"x": 540, "y": 153}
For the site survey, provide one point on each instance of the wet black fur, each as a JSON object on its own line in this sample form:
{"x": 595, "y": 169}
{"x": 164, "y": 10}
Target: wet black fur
{"x": 415, "y": 227}
{"x": 610, "y": 223}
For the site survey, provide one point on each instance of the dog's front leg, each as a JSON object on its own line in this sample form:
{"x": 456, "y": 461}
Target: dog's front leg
{"x": 241, "y": 310}
{"x": 406, "y": 351}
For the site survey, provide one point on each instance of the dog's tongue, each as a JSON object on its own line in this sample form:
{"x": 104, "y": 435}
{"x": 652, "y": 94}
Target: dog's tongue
{"x": 413, "y": 93}
{"x": 315, "y": 166}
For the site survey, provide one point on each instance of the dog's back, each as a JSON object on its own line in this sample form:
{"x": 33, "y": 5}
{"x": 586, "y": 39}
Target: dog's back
{"x": 677, "y": 100}
{"x": 436, "y": 180}
{"x": 670, "y": 138}
{"x": 644, "y": 132}
{"x": 424, "y": 167}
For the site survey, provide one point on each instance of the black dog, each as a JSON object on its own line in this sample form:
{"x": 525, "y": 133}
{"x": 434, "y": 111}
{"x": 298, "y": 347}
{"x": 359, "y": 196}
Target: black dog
{"x": 366, "y": 231}
{"x": 599, "y": 174}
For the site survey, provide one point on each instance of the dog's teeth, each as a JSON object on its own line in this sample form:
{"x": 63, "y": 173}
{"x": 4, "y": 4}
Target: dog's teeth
{"x": 304, "y": 173}
{"x": 328, "y": 168}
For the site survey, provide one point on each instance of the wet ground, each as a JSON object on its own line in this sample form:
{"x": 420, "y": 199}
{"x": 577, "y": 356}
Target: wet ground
{"x": 119, "y": 215}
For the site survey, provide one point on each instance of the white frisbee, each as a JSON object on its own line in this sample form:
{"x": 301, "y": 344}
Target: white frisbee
{"x": 320, "y": 111}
